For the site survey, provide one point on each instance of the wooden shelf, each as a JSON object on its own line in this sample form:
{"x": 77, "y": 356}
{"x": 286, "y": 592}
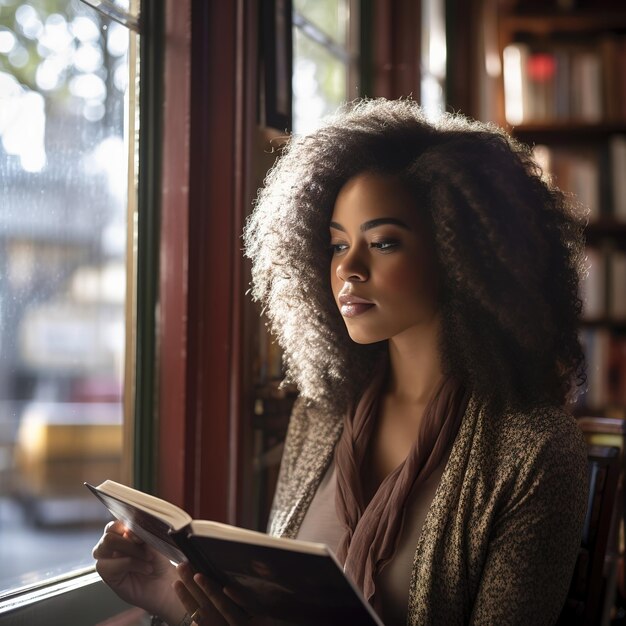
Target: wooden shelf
{"x": 574, "y": 22}
{"x": 566, "y": 131}
{"x": 605, "y": 227}
{"x": 605, "y": 322}
{"x": 604, "y": 425}
{"x": 610, "y": 412}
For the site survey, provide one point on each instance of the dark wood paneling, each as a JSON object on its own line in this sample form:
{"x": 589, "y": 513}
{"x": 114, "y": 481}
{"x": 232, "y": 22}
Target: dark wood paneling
{"x": 396, "y": 48}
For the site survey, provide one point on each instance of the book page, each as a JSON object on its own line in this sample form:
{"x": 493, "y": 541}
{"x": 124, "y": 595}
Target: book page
{"x": 233, "y": 533}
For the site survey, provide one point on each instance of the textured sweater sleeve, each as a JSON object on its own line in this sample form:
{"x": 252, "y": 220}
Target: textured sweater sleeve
{"x": 281, "y": 500}
{"x": 309, "y": 446}
{"x": 536, "y": 536}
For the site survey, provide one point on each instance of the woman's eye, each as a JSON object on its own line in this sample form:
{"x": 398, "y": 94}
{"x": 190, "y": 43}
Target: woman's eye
{"x": 336, "y": 248}
{"x": 384, "y": 246}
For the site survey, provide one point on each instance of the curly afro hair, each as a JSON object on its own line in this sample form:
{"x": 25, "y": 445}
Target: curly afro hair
{"x": 508, "y": 244}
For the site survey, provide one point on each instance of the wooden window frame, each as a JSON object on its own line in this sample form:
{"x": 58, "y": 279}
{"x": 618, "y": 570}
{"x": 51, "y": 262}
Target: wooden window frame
{"x": 195, "y": 146}
{"x": 208, "y": 110}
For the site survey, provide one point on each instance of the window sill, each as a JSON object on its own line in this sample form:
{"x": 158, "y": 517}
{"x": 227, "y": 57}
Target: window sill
{"x": 82, "y": 595}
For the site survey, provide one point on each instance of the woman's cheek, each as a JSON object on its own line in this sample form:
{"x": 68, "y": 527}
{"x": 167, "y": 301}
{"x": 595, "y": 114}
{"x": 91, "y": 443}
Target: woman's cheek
{"x": 411, "y": 284}
{"x": 402, "y": 277}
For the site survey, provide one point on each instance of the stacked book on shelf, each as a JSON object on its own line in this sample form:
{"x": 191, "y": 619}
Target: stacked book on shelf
{"x": 604, "y": 285}
{"x": 565, "y": 81}
{"x": 592, "y": 174}
{"x": 603, "y": 292}
{"x": 575, "y": 171}
{"x": 605, "y": 353}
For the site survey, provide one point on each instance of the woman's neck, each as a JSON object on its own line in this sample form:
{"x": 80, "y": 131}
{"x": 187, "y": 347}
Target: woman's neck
{"x": 415, "y": 368}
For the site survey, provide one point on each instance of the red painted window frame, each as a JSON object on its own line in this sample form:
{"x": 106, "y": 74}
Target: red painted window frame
{"x": 208, "y": 116}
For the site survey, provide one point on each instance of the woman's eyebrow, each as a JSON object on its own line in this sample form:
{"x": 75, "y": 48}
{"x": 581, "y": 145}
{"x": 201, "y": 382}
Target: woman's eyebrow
{"x": 374, "y": 223}
{"x": 384, "y": 220}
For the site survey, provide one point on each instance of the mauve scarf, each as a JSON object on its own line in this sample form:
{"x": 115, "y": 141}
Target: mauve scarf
{"x": 372, "y": 531}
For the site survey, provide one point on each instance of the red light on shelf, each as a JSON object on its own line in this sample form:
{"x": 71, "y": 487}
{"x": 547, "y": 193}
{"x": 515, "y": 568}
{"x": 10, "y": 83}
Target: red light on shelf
{"x": 541, "y": 67}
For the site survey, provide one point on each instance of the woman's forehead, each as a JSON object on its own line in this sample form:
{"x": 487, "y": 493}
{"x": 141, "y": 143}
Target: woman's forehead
{"x": 372, "y": 196}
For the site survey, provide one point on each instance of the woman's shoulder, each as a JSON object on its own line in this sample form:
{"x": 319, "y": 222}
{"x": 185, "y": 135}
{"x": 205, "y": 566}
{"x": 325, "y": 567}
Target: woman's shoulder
{"x": 531, "y": 439}
{"x": 539, "y": 427}
{"x": 518, "y": 453}
{"x": 541, "y": 420}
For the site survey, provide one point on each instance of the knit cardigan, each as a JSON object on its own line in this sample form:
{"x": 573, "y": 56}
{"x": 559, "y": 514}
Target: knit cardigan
{"x": 500, "y": 539}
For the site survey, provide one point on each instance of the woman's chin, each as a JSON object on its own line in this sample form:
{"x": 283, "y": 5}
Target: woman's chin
{"x": 365, "y": 339}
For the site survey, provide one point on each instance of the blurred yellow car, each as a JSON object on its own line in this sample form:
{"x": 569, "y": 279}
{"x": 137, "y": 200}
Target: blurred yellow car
{"x": 59, "y": 445}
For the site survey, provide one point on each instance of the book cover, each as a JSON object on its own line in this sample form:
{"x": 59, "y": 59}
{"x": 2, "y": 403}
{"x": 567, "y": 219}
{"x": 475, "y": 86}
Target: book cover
{"x": 596, "y": 344}
{"x": 617, "y": 371}
{"x": 618, "y": 180}
{"x": 586, "y": 86}
{"x": 593, "y": 285}
{"x": 540, "y": 70}
{"x": 285, "y": 583}
{"x": 617, "y": 293}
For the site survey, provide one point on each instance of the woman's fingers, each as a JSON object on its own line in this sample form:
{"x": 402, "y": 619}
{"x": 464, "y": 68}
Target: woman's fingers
{"x": 113, "y": 544}
{"x": 193, "y": 598}
{"x": 111, "y": 568}
{"x": 200, "y": 592}
{"x": 184, "y": 595}
{"x": 248, "y": 604}
{"x": 204, "y": 612}
{"x": 234, "y": 614}
{"x": 118, "y": 527}
{"x": 186, "y": 575}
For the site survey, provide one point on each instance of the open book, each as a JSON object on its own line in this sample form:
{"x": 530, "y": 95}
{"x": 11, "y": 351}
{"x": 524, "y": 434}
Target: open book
{"x": 294, "y": 581}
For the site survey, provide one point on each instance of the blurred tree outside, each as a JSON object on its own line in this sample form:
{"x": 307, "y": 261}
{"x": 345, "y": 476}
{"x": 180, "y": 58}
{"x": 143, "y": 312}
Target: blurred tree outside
{"x": 63, "y": 182}
{"x": 320, "y": 60}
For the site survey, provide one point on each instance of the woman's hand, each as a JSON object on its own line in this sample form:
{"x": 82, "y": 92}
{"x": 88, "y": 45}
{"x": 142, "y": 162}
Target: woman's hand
{"x": 213, "y": 605}
{"x": 138, "y": 574}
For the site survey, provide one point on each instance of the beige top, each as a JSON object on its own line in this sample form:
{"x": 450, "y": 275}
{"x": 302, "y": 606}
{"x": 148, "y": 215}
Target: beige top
{"x": 500, "y": 539}
{"x": 321, "y": 524}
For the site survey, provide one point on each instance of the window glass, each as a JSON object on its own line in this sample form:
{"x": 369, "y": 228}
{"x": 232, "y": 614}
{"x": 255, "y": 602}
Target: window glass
{"x": 320, "y": 82}
{"x": 330, "y": 16}
{"x": 64, "y": 150}
{"x": 433, "y": 63}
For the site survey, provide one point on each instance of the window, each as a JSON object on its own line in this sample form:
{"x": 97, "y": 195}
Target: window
{"x": 325, "y": 58}
{"x": 67, "y": 135}
{"x": 433, "y": 65}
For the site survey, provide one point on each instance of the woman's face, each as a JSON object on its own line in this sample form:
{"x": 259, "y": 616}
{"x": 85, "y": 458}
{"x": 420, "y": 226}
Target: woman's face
{"x": 382, "y": 270}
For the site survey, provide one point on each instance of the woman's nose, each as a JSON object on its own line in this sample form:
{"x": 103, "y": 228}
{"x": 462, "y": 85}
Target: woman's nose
{"x": 351, "y": 268}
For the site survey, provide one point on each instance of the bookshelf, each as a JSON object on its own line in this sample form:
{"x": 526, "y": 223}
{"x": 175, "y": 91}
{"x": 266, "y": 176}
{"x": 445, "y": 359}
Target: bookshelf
{"x": 563, "y": 91}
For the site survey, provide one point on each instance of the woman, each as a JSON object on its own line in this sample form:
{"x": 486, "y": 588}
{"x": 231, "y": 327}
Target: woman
{"x": 434, "y": 343}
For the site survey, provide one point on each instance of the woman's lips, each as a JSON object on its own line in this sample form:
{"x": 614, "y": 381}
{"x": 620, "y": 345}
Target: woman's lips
{"x": 354, "y": 309}
{"x": 352, "y": 305}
